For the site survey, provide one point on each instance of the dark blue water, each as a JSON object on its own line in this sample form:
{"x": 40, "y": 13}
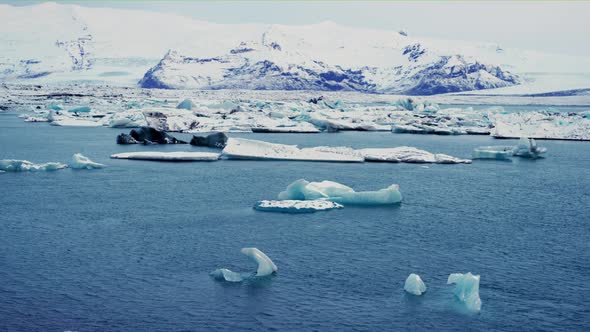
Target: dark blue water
{"x": 130, "y": 247}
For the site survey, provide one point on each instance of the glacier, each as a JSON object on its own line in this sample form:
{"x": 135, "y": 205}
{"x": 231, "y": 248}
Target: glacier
{"x": 466, "y": 289}
{"x": 265, "y": 267}
{"x": 168, "y": 156}
{"x": 13, "y": 165}
{"x": 80, "y": 161}
{"x": 414, "y": 285}
{"x": 296, "y": 206}
{"x": 339, "y": 193}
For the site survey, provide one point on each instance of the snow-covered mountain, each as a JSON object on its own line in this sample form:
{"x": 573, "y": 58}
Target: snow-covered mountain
{"x": 66, "y": 43}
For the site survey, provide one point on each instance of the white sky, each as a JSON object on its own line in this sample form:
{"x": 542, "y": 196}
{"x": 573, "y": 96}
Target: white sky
{"x": 556, "y": 27}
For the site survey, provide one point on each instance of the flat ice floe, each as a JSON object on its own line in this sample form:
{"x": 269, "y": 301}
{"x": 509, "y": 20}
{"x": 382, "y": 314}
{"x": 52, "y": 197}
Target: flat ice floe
{"x": 168, "y": 156}
{"x": 414, "y": 285}
{"x": 466, "y": 289}
{"x": 296, "y": 206}
{"x": 240, "y": 148}
{"x": 406, "y": 154}
{"x": 80, "y": 161}
{"x": 13, "y": 165}
{"x": 339, "y": 193}
{"x": 265, "y": 267}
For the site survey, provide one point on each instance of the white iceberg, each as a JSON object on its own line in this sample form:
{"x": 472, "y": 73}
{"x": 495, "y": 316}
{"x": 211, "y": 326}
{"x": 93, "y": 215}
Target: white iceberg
{"x": 80, "y": 161}
{"x": 406, "y": 154}
{"x": 227, "y": 275}
{"x": 168, "y": 156}
{"x": 493, "y": 152}
{"x": 240, "y": 148}
{"x": 12, "y": 165}
{"x": 339, "y": 193}
{"x": 414, "y": 285}
{"x": 126, "y": 119}
{"x": 296, "y": 206}
{"x": 541, "y": 124}
{"x": 265, "y": 268}
{"x": 527, "y": 148}
{"x": 186, "y": 104}
{"x": 72, "y": 122}
{"x": 265, "y": 265}
{"x": 466, "y": 289}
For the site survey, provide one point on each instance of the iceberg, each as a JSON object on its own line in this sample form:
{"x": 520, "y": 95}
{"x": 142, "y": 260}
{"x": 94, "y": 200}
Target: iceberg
{"x": 126, "y": 119}
{"x": 406, "y": 154}
{"x": 215, "y": 140}
{"x": 80, "y": 161}
{"x": 527, "y": 148}
{"x": 148, "y": 135}
{"x": 227, "y": 275}
{"x": 265, "y": 265}
{"x": 241, "y": 148}
{"x": 493, "y": 152}
{"x": 12, "y": 165}
{"x": 296, "y": 206}
{"x": 168, "y": 156}
{"x": 265, "y": 268}
{"x": 466, "y": 289}
{"x": 542, "y": 125}
{"x": 186, "y": 104}
{"x": 339, "y": 193}
{"x": 414, "y": 285}
{"x": 71, "y": 122}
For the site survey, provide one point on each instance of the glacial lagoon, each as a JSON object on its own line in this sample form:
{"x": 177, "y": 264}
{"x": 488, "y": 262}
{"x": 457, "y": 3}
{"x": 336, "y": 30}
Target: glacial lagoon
{"x": 131, "y": 246}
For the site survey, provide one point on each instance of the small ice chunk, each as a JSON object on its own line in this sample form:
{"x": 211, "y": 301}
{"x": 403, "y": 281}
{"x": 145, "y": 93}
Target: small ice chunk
{"x": 168, "y": 156}
{"x": 80, "y": 161}
{"x": 466, "y": 289}
{"x": 227, "y": 275}
{"x": 339, "y": 193}
{"x": 527, "y": 148}
{"x": 493, "y": 152}
{"x": 296, "y": 206}
{"x": 71, "y": 122}
{"x": 265, "y": 265}
{"x": 12, "y": 165}
{"x": 414, "y": 285}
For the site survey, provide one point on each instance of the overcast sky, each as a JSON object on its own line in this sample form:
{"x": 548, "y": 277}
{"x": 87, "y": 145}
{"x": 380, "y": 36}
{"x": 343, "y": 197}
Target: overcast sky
{"x": 557, "y": 27}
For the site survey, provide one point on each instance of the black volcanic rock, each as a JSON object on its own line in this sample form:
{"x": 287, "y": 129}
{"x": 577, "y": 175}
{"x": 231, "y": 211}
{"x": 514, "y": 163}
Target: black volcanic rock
{"x": 215, "y": 140}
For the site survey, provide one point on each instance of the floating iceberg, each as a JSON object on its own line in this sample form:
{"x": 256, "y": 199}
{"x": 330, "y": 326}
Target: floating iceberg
{"x": 186, "y": 104}
{"x": 265, "y": 268}
{"x": 148, "y": 135}
{"x": 82, "y": 162}
{"x": 414, "y": 285}
{"x": 12, "y": 165}
{"x": 126, "y": 119}
{"x": 466, "y": 289}
{"x": 215, "y": 140}
{"x": 527, "y": 148}
{"x": 168, "y": 156}
{"x": 227, "y": 275}
{"x": 296, "y": 206}
{"x": 72, "y": 122}
{"x": 542, "y": 124}
{"x": 240, "y": 148}
{"x": 493, "y": 152}
{"x": 265, "y": 265}
{"x": 406, "y": 154}
{"x": 339, "y": 193}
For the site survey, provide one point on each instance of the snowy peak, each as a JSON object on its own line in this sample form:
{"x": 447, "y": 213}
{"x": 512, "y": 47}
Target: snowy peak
{"x": 55, "y": 43}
